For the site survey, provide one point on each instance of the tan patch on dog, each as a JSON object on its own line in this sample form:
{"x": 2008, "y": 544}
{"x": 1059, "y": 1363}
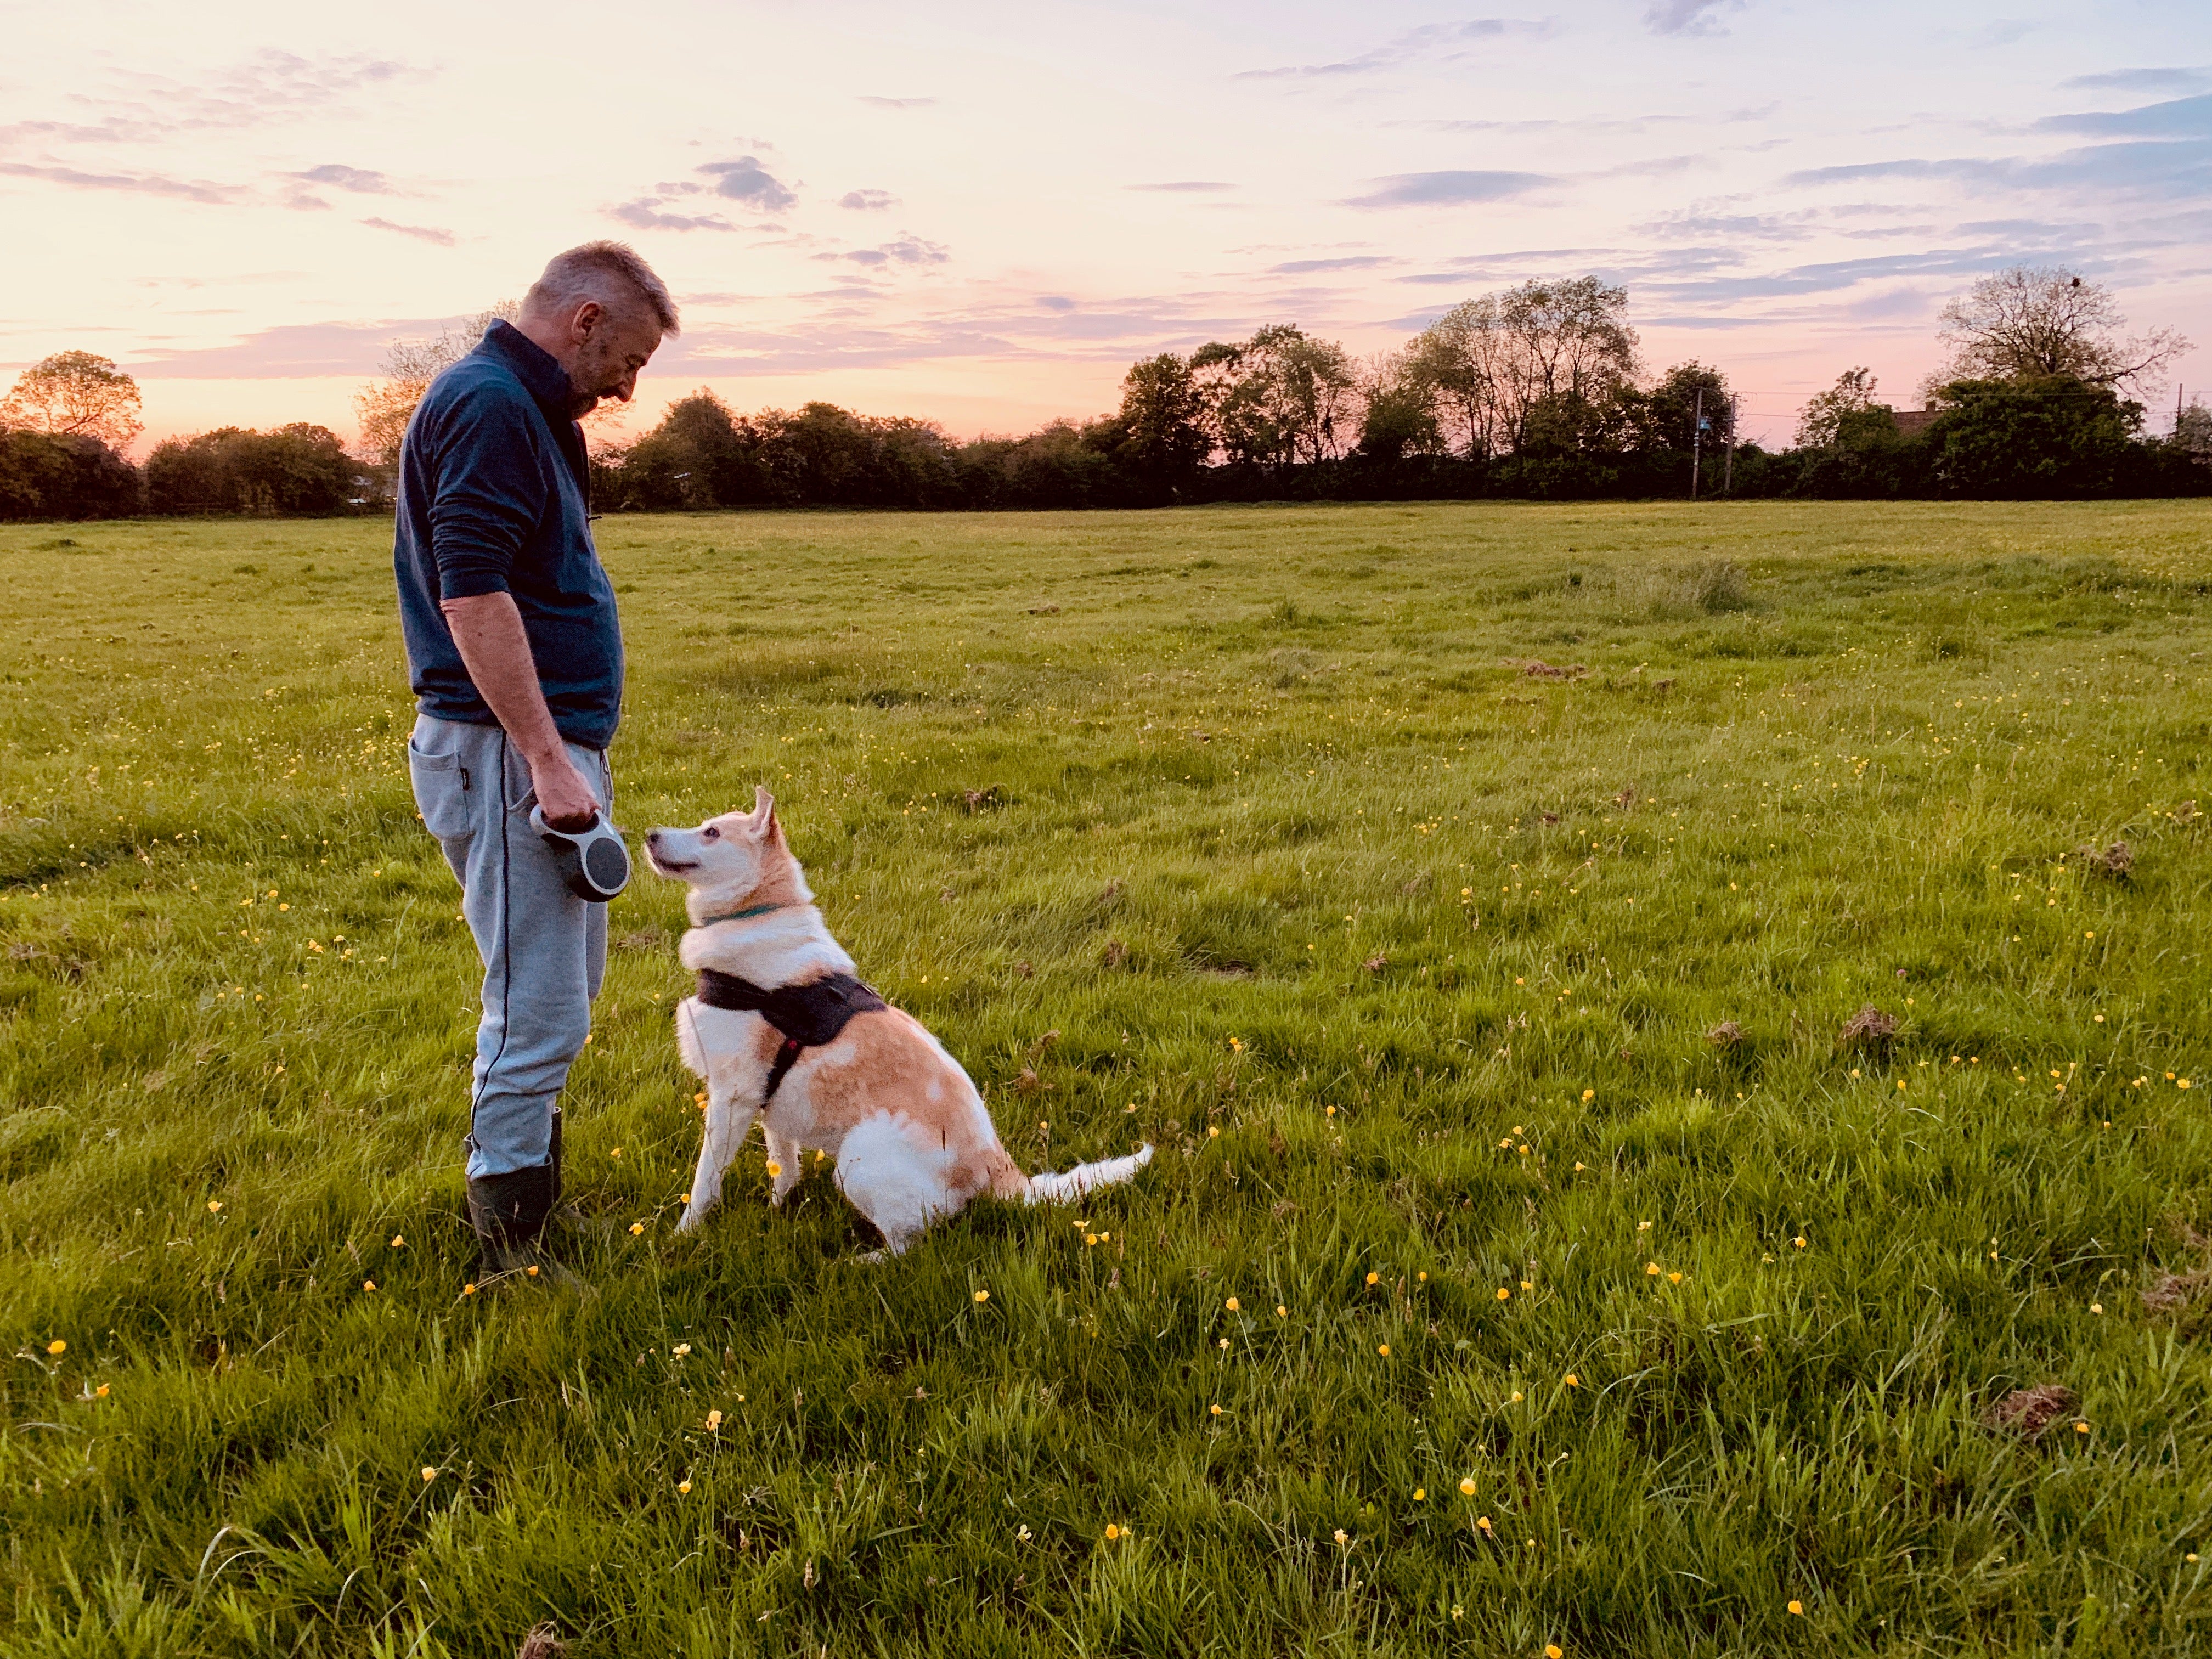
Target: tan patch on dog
{"x": 886, "y": 1062}
{"x": 779, "y": 881}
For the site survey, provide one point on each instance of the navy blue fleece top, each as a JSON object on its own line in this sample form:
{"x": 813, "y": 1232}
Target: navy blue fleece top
{"x": 494, "y": 497}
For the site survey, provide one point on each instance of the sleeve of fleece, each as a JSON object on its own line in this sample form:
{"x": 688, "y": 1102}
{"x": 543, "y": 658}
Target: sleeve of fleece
{"x": 488, "y": 493}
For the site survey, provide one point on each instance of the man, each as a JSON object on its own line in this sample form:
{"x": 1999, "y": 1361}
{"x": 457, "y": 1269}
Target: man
{"x": 515, "y": 655}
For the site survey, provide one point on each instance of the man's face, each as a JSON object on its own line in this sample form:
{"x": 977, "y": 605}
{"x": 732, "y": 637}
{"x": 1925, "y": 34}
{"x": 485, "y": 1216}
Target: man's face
{"x": 609, "y": 351}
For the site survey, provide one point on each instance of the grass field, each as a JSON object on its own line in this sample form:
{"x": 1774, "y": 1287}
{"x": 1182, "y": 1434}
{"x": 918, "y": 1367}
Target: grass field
{"x": 1480, "y": 1302}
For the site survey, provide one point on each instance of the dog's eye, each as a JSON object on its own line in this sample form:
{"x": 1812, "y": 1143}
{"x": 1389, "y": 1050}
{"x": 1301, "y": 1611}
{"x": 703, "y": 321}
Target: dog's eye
{"x": 712, "y": 833}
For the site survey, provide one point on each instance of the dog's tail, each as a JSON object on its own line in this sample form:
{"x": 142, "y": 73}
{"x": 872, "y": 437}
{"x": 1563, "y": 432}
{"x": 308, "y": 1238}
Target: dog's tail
{"x": 1068, "y": 1184}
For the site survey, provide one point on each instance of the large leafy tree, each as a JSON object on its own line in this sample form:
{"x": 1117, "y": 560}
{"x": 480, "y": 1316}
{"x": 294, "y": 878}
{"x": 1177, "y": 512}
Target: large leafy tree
{"x": 1687, "y": 394}
{"x": 1400, "y": 417}
{"x": 1456, "y": 367}
{"x": 1280, "y": 398}
{"x": 2036, "y": 322}
{"x": 1567, "y": 339}
{"x": 1161, "y": 429}
{"x": 1495, "y": 369}
{"x": 76, "y": 394}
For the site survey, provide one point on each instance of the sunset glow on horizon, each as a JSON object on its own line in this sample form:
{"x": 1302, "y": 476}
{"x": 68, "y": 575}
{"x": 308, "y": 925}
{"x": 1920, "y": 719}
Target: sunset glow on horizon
{"x": 981, "y": 214}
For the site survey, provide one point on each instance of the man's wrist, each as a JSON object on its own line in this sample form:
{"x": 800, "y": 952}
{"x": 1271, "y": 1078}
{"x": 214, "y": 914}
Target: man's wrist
{"x": 545, "y": 754}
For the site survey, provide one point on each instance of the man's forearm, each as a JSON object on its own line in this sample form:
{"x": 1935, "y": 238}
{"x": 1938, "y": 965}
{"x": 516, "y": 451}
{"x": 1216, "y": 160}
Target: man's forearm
{"x": 488, "y": 634}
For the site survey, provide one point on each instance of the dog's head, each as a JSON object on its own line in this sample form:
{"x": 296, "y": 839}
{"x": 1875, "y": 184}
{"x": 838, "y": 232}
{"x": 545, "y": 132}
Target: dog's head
{"x": 731, "y": 862}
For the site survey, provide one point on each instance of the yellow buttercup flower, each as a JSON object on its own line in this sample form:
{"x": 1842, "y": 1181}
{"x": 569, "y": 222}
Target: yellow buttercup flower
{"x": 683, "y": 1486}
{"x": 1232, "y": 1304}
{"x": 58, "y": 1348}
{"x": 982, "y": 1295}
{"x": 1797, "y": 1607}
{"x": 635, "y": 1228}
{"x": 1384, "y": 1349}
{"x": 1375, "y": 1279}
{"x": 428, "y": 1474}
{"x": 1420, "y": 1495}
{"x": 1504, "y": 1295}
{"x": 775, "y": 1169}
{"x": 1113, "y": 1532}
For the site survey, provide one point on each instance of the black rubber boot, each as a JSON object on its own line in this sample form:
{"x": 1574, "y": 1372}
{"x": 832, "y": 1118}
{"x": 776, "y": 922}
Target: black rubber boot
{"x": 508, "y": 1213}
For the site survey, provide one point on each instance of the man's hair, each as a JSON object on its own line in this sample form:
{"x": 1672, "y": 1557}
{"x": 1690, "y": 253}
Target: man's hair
{"x": 610, "y": 272}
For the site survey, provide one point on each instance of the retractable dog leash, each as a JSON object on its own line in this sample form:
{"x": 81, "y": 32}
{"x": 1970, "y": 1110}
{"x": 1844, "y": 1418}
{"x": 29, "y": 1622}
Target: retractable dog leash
{"x": 594, "y": 861}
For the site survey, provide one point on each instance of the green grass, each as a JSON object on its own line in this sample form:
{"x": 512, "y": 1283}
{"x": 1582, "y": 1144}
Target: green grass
{"x": 1286, "y": 843}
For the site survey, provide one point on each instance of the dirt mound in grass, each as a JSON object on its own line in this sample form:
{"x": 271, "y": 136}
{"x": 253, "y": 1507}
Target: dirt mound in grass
{"x": 2029, "y": 1412}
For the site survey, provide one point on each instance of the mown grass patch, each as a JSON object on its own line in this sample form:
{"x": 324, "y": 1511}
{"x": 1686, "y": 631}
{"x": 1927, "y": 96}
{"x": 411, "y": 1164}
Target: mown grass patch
{"x": 1398, "y": 869}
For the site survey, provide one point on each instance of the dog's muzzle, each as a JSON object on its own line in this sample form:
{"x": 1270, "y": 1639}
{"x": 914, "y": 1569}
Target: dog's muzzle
{"x": 594, "y": 861}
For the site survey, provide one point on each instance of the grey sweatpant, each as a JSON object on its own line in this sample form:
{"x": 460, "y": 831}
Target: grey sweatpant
{"x": 545, "y": 950}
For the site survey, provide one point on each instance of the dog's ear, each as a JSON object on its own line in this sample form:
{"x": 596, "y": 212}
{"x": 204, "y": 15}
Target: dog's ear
{"x": 764, "y": 813}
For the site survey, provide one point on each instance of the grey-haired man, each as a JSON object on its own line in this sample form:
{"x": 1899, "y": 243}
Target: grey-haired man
{"x": 515, "y": 652}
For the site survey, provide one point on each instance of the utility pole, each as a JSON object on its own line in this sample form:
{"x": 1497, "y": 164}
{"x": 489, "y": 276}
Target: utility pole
{"x": 1697, "y": 441}
{"x": 1727, "y": 477}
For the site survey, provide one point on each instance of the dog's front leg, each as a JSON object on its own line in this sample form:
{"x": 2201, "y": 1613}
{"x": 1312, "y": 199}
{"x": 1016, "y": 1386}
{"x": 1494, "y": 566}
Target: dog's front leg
{"x": 727, "y": 1125}
{"x": 783, "y": 1155}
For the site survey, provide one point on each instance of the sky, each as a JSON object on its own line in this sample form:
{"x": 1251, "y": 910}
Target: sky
{"x": 981, "y": 213}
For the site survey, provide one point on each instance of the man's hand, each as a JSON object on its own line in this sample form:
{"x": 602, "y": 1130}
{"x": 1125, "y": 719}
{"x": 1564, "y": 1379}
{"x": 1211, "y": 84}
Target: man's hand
{"x": 566, "y": 799}
{"x": 488, "y": 634}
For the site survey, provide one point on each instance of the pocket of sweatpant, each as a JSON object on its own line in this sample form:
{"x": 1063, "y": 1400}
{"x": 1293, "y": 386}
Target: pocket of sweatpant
{"x": 441, "y": 792}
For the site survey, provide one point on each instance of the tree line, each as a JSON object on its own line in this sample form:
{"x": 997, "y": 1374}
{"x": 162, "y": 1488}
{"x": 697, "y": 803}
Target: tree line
{"x": 65, "y": 424}
{"x": 1537, "y": 391}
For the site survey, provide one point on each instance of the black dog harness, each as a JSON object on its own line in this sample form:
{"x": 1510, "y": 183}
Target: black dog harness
{"x": 807, "y": 1015}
